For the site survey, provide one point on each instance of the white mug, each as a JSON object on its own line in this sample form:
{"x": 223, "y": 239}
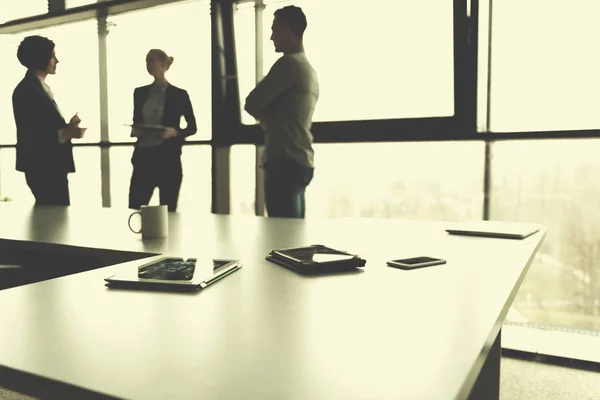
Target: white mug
{"x": 155, "y": 222}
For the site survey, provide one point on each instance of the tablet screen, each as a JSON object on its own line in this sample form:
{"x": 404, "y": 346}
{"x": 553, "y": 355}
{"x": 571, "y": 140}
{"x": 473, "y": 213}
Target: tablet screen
{"x": 316, "y": 254}
{"x": 169, "y": 269}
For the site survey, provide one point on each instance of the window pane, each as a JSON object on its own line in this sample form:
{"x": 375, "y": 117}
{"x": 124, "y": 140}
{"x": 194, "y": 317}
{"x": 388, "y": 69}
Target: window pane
{"x": 12, "y": 73}
{"x": 182, "y": 30}
{"x": 482, "y": 65}
{"x": 387, "y": 59}
{"x": 245, "y": 47}
{"x": 195, "y": 194}
{"x": 12, "y": 182}
{"x": 554, "y": 183}
{"x": 75, "y": 85}
{"x": 544, "y": 78}
{"x": 442, "y": 180}
{"x": 85, "y": 185}
{"x": 120, "y": 175}
{"x": 11, "y": 10}
{"x": 79, "y": 3}
{"x": 85, "y": 188}
{"x": 243, "y": 179}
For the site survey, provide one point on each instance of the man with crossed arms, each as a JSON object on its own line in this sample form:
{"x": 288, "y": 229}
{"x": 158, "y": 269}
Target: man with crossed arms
{"x": 284, "y": 103}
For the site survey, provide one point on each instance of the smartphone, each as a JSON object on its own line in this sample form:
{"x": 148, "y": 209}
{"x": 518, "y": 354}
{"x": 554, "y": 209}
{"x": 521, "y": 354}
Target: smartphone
{"x": 416, "y": 262}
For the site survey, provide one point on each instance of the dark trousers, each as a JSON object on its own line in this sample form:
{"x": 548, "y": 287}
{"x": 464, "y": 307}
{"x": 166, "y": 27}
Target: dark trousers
{"x": 49, "y": 188}
{"x": 152, "y": 167}
{"x": 285, "y": 186}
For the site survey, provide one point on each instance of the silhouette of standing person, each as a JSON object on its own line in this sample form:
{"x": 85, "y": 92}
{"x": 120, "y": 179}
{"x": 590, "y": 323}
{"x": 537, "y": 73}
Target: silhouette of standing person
{"x": 157, "y": 160}
{"x": 44, "y": 149}
{"x": 284, "y": 103}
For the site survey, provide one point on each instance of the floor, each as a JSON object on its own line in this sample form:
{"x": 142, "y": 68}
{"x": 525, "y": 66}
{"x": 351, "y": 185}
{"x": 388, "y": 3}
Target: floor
{"x": 543, "y": 378}
{"x": 522, "y": 377}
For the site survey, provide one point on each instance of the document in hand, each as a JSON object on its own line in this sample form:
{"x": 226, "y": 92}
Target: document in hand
{"x": 150, "y": 131}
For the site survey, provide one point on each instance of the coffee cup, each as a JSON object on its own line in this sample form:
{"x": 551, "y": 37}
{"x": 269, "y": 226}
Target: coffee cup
{"x": 154, "y": 222}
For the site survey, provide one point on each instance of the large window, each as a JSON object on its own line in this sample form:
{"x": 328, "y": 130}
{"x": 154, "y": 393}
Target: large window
{"x": 11, "y": 10}
{"x": 195, "y": 195}
{"x": 79, "y": 3}
{"x": 75, "y": 85}
{"x": 85, "y": 186}
{"x": 182, "y": 30}
{"x": 441, "y": 181}
{"x": 245, "y": 46}
{"x": 12, "y": 182}
{"x": 12, "y": 73}
{"x": 554, "y": 183}
{"x": 384, "y": 59}
{"x": 545, "y": 65}
{"x": 243, "y": 179}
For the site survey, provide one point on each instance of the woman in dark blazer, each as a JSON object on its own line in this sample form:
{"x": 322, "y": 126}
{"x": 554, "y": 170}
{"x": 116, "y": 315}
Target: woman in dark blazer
{"x": 157, "y": 158}
{"x": 44, "y": 150}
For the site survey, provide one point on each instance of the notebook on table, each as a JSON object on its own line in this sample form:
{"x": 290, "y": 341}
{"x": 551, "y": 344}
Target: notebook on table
{"x": 494, "y": 229}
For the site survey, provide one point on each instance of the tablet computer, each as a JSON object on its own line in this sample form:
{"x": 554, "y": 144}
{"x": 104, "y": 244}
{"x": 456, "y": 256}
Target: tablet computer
{"x": 171, "y": 273}
{"x": 315, "y": 259}
{"x": 151, "y": 131}
{"x": 494, "y": 229}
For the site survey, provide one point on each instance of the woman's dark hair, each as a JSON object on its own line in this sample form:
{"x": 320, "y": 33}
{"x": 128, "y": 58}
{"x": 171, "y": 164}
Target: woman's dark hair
{"x": 294, "y": 17}
{"x": 35, "y": 52}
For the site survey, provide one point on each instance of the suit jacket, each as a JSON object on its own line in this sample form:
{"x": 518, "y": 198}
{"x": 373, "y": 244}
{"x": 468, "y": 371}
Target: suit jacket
{"x": 38, "y": 122}
{"x": 177, "y": 104}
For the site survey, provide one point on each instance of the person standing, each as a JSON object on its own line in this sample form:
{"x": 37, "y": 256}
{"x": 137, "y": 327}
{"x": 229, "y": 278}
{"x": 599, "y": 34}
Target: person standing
{"x": 283, "y": 103}
{"x": 157, "y": 158}
{"x": 44, "y": 149}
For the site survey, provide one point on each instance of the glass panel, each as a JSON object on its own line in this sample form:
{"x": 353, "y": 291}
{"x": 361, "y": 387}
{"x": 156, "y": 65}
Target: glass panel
{"x": 12, "y": 73}
{"x": 182, "y": 30}
{"x": 75, "y": 85}
{"x": 544, "y": 78}
{"x": 245, "y": 47}
{"x": 390, "y": 59}
{"x": 85, "y": 184}
{"x": 120, "y": 175}
{"x": 441, "y": 180}
{"x": 554, "y": 183}
{"x": 243, "y": 179}
{"x": 11, "y": 10}
{"x": 195, "y": 194}
{"x": 482, "y": 65}
{"x": 79, "y": 3}
{"x": 12, "y": 182}
{"x": 85, "y": 188}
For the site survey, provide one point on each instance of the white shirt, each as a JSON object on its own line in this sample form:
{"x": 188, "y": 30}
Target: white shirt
{"x": 61, "y": 134}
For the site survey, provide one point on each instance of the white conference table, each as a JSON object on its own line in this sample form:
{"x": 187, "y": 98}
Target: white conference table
{"x": 263, "y": 332}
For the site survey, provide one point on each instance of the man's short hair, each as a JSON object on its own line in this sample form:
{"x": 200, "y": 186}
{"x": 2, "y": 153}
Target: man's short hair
{"x": 35, "y": 52}
{"x": 294, "y": 17}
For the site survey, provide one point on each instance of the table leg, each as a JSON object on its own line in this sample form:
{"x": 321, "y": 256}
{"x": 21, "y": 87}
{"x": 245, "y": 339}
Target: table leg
{"x": 487, "y": 386}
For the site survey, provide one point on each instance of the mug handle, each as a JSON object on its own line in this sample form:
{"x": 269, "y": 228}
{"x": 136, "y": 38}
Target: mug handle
{"x": 129, "y": 222}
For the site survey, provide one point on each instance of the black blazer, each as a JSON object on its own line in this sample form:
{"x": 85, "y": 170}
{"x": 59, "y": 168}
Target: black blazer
{"x": 38, "y": 122}
{"x": 177, "y": 104}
